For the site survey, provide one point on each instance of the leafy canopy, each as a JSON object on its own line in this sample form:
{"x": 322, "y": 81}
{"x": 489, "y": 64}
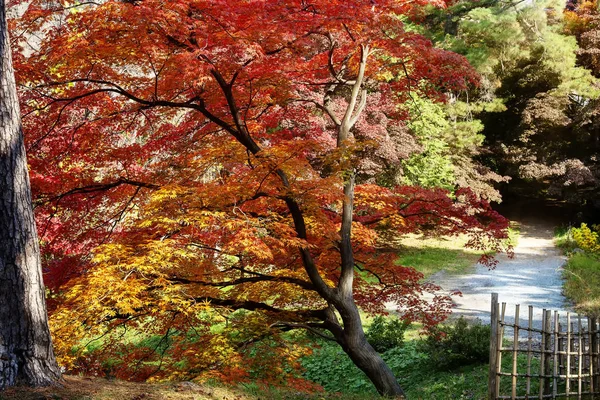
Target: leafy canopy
{"x": 209, "y": 165}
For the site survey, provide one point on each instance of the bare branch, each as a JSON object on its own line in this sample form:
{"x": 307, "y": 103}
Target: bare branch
{"x": 311, "y": 327}
{"x": 254, "y": 279}
{"x": 361, "y": 107}
{"x": 103, "y": 187}
{"x": 350, "y": 114}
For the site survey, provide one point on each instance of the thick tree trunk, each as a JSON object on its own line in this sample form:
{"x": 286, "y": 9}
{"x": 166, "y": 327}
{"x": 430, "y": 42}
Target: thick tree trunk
{"x": 364, "y": 356}
{"x": 26, "y": 354}
{"x": 371, "y": 363}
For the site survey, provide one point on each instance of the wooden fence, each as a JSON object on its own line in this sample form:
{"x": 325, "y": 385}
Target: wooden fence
{"x": 558, "y": 358}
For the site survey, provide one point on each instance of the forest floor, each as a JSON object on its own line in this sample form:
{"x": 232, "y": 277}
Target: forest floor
{"x": 532, "y": 277}
{"x": 93, "y": 388}
{"x": 87, "y": 388}
{"x": 97, "y": 388}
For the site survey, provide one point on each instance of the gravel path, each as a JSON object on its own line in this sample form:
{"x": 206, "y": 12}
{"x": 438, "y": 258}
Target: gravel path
{"x": 532, "y": 277}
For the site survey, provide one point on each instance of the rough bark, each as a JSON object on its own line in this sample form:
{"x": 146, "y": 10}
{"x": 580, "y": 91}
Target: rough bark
{"x": 371, "y": 363}
{"x": 351, "y": 337}
{"x": 26, "y": 355}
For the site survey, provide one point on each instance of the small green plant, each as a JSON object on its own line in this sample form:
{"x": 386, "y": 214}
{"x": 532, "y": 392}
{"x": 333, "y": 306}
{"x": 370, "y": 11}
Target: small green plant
{"x": 331, "y": 368}
{"x": 514, "y": 233}
{"x": 563, "y": 238}
{"x": 582, "y": 282}
{"x": 457, "y": 345}
{"x": 385, "y": 333}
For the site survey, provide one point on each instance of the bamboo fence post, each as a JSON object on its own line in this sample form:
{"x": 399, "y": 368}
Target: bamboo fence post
{"x": 493, "y": 373}
{"x": 548, "y": 351}
{"x": 543, "y": 357}
{"x": 594, "y": 355}
{"x": 515, "y": 353}
{"x": 573, "y": 355}
{"x": 591, "y": 368}
{"x": 555, "y": 358}
{"x": 561, "y": 345}
{"x": 579, "y": 360}
{"x": 568, "y": 369}
{"x": 500, "y": 340}
{"x": 529, "y": 338}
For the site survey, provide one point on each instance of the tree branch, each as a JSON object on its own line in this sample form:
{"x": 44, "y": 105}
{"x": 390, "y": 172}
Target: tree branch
{"x": 255, "y": 305}
{"x": 254, "y": 279}
{"x": 346, "y": 252}
{"x": 311, "y": 327}
{"x": 103, "y": 187}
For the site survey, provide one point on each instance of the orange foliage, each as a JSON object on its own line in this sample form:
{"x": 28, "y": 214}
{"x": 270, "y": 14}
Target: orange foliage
{"x": 187, "y": 162}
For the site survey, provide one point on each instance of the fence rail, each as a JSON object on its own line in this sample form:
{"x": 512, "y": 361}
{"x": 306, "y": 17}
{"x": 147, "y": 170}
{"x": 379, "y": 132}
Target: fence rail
{"x": 560, "y": 360}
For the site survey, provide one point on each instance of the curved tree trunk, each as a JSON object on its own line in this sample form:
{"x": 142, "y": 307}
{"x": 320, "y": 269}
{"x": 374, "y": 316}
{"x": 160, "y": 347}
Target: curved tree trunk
{"x": 352, "y": 337}
{"x": 370, "y": 362}
{"x": 365, "y": 357}
{"x": 26, "y": 354}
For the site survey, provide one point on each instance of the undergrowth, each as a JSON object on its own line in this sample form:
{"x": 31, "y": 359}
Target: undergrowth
{"x": 582, "y": 271}
{"x": 453, "y": 365}
{"x": 582, "y": 282}
{"x": 432, "y": 255}
{"x": 416, "y": 363}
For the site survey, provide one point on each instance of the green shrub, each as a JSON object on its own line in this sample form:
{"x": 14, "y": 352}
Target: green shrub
{"x": 563, "y": 238}
{"x": 331, "y": 368}
{"x": 385, "y": 333}
{"x": 586, "y": 239}
{"x": 460, "y": 344}
{"x": 423, "y": 367}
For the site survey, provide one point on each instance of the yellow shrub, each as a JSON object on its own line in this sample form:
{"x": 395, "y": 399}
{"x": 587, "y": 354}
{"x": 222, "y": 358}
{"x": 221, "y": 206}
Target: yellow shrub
{"x": 587, "y": 239}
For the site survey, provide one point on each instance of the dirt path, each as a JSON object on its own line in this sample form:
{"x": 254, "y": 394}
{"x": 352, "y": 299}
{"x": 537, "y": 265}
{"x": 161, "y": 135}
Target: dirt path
{"x": 532, "y": 277}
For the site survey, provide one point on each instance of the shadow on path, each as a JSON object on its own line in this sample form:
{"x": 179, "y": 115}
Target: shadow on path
{"x": 532, "y": 277}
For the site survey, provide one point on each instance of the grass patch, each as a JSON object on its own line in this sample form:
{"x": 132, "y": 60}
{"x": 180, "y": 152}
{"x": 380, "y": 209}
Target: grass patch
{"x": 466, "y": 383}
{"x": 429, "y": 256}
{"x": 429, "y": 260}
{"x": 470, "y": 382}
{"x": 582, "y": 282}
{"x": 416, "y": 363}
{"x": 564, "y": 240}
{"x": 581, "y": 273}
{"x": 514, "y": 233}
{"x": 418, "y": 377}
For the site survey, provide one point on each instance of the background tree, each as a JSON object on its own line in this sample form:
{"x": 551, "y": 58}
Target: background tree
{"x": 532, "y": 99}
{"x": 450, "y": 136}
{"x": 223, "y": 156}
{"x": 451, "y": 142}
{"x": 26, "y": 353}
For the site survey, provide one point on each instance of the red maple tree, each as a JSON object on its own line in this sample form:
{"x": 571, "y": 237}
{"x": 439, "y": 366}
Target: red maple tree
{"x": 194, "y": 155}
